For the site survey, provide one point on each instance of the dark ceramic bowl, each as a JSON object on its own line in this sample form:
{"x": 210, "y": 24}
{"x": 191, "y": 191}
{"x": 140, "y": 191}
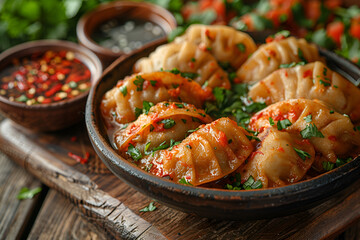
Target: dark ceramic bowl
{"x": 126, "y": 11}
{"x": 213, "y": 203}
{"x": 51, "y": 116}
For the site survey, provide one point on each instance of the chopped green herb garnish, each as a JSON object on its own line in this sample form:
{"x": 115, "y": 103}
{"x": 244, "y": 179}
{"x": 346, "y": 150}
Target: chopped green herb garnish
{"x": 146, "y": 107}
{"x": 134, "y": 152}
{"x": 139, "y": 82}
{"x": 193, "y": 130}
{"x": 173, "y": 144}
{"x": 149, "y": 208}
{"x": 162, "y": 146}
{"x": 183, "y": 120}
{"x": 72, "y": 84}
{"x": 22, "y": 98}
{"x": 301, "y": 56}
{"x": 311, "y": 131}
{"x": 153, "y": 82}
{"x": 185, "y": 182}
{"x": 194, "y": 119}
{"x": 328, "y": 166}
{"x": 124, "y": 126}
{"x": 326, "y": 84}
{"x": 253, "y": 137}
{"x": 271, "y": 121}
{"x": 26, "y": 193}
{"x": 308, "y": 118}
{"x": 146, "y": 151}
{"x": 241, "y": 47}
{"x": 340, "y": 162}
{"x": 290, "y": 65}
{"x": 168, "y": 123}
{"x": 302, "y": 154}
{"x": 193, "y": 59}
{"x": 123, "y": 90}
{"x": 138, "y": 111}
{"x": 188, "y": 146}
{"x": 335, "y": 86}
{"x": 252, "y": 184}
{"x": 331, "y": 111}
{"x": 179, "y": 105}
{"x": 325, "y": 71}
{"x": 283, "y": 124}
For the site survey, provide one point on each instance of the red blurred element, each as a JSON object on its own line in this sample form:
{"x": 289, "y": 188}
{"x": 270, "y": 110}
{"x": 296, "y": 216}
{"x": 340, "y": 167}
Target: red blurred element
{"x": 335, "y": 30}
{"x": 355, "y": 27}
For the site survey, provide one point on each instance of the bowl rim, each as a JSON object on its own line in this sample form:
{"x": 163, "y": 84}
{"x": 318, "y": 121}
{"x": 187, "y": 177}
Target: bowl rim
{"x": 86, "y": 40}
{"x": 92, "y": 63}
{"x": 224, "y": 195}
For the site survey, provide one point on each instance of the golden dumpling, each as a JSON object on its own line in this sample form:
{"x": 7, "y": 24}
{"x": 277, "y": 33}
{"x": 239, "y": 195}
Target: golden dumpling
{"x": 332, "y": 134}
{"x": 206, "y": 155}
{"x": 268, "y": 58}
{"x": 281, "y": 159}
{"x": 120, "y": 103}
{"x": 225, "y": 43}
{"x": 187, "y": 58}
{"x": 311, "y": 81}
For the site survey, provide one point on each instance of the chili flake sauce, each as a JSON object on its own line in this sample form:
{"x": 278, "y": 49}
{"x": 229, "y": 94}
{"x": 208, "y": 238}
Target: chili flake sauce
{"x": 45, "y": 78}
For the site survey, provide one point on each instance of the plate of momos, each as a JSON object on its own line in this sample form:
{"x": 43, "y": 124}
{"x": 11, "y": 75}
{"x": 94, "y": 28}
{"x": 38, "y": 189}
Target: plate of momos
{"x": 216, "y": 124}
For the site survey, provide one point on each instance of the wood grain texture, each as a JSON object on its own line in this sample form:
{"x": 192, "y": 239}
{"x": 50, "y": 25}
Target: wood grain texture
{"x": 114, "y": 206}
{"x": 15, "y": 214}
{"x": 59, "y": 219}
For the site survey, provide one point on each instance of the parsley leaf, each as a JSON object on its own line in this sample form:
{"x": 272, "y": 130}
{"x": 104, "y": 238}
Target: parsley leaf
{"x": 149, "y": 208}
{"x": 302, "y": 154}
{"x": 271, "y": 121}
{"x": 123, "y": 90}
{"x": 168, "y": 123}
{"x": 283, "y": 124}
{"x": 146, "y": 107}
{"x": 26, "y": 193}
{"x": 162, "y": 146}
{"x": 301, "y": 56}
{"x": 189, "y": 75}
{"x": 308, "y": 118}
{"x": 241, "y": 47}
{"x": 293, "y": 64}
{"x": 253, "y": 137}
{"x": 311, "y": 131}
{"x": 328, "y": 166}
{"x": 134, "y": 152}
{"x": 252, "y": 184}
{"x": 185, "y": 182}
{"x": 139, "y": 82}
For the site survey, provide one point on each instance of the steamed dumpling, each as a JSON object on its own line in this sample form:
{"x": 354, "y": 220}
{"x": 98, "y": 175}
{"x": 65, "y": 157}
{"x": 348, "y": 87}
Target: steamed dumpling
{"x": 277, "y": 161}
{"x": 270, "y": 56}
{"x": 188, "y": 58}
{"x": 121, "y": 102}
{"x": 311, "y": 81}
{"x": 208, "y": 154}
{"x": 225, "y": 43}
{"x": 164, "y": 123}
{"x": 332, "y": 134}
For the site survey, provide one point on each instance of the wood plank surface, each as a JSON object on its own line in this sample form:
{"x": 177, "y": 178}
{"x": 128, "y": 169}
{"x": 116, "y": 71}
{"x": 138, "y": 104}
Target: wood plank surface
{"x": 59, "y": 219}
{"x": 16, "y": 215}
{"x": 114, "y": 206}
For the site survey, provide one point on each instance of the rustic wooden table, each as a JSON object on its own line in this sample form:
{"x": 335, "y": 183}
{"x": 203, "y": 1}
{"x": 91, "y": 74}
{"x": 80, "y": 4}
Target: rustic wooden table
{"x": 50, "y": 215}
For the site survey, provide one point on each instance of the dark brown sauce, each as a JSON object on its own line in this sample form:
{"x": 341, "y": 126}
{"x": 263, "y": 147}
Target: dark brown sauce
{"x": 125, "y": 36}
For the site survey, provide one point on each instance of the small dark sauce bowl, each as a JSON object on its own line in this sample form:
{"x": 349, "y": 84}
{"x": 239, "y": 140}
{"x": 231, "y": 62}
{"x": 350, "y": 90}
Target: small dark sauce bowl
{"x": 125, "y": 10}
{"x": 48, "y": 116}
{"x": 206, "y": 202}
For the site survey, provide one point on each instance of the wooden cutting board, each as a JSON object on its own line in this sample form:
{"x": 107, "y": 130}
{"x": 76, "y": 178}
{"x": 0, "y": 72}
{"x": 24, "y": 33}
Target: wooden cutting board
{"x": 114, "y": 206}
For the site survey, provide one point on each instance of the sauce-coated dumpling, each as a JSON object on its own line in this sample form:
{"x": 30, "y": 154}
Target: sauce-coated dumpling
{"x": 311, "y": 81}
{"x": 332, "y": 134}
{"x": 206, "y": 155}
{"x": 225, "y": 43}
{"x": 164, "y": 123}
{"x": 270, "y": 56}
{"x": 188, "y": 58}
{"x": 276, "y": 162}
{"x": 119, "y": 103}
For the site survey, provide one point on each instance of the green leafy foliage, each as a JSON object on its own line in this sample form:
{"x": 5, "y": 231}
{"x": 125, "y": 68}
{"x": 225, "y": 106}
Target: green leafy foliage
{"x": 26, "y": 20}
{"x": 151, "y": 207}
{"x": 26, "y": 193}
{"x": 249, "y": 184}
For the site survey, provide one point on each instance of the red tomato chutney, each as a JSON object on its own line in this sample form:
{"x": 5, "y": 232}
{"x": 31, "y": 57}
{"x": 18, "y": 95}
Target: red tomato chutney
{"x": 45, "y": 78}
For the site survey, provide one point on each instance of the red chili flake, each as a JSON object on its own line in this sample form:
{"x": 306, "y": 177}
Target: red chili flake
{"x": 73, "y": 138}
{"x": 280, "y": 149}
{"x": 78, "y": 158}
{"x": 174, "y": 92}
{"x": 53, "y": 90}
{"x": 307, "y": 73}
{"x": 332, "y": 138}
